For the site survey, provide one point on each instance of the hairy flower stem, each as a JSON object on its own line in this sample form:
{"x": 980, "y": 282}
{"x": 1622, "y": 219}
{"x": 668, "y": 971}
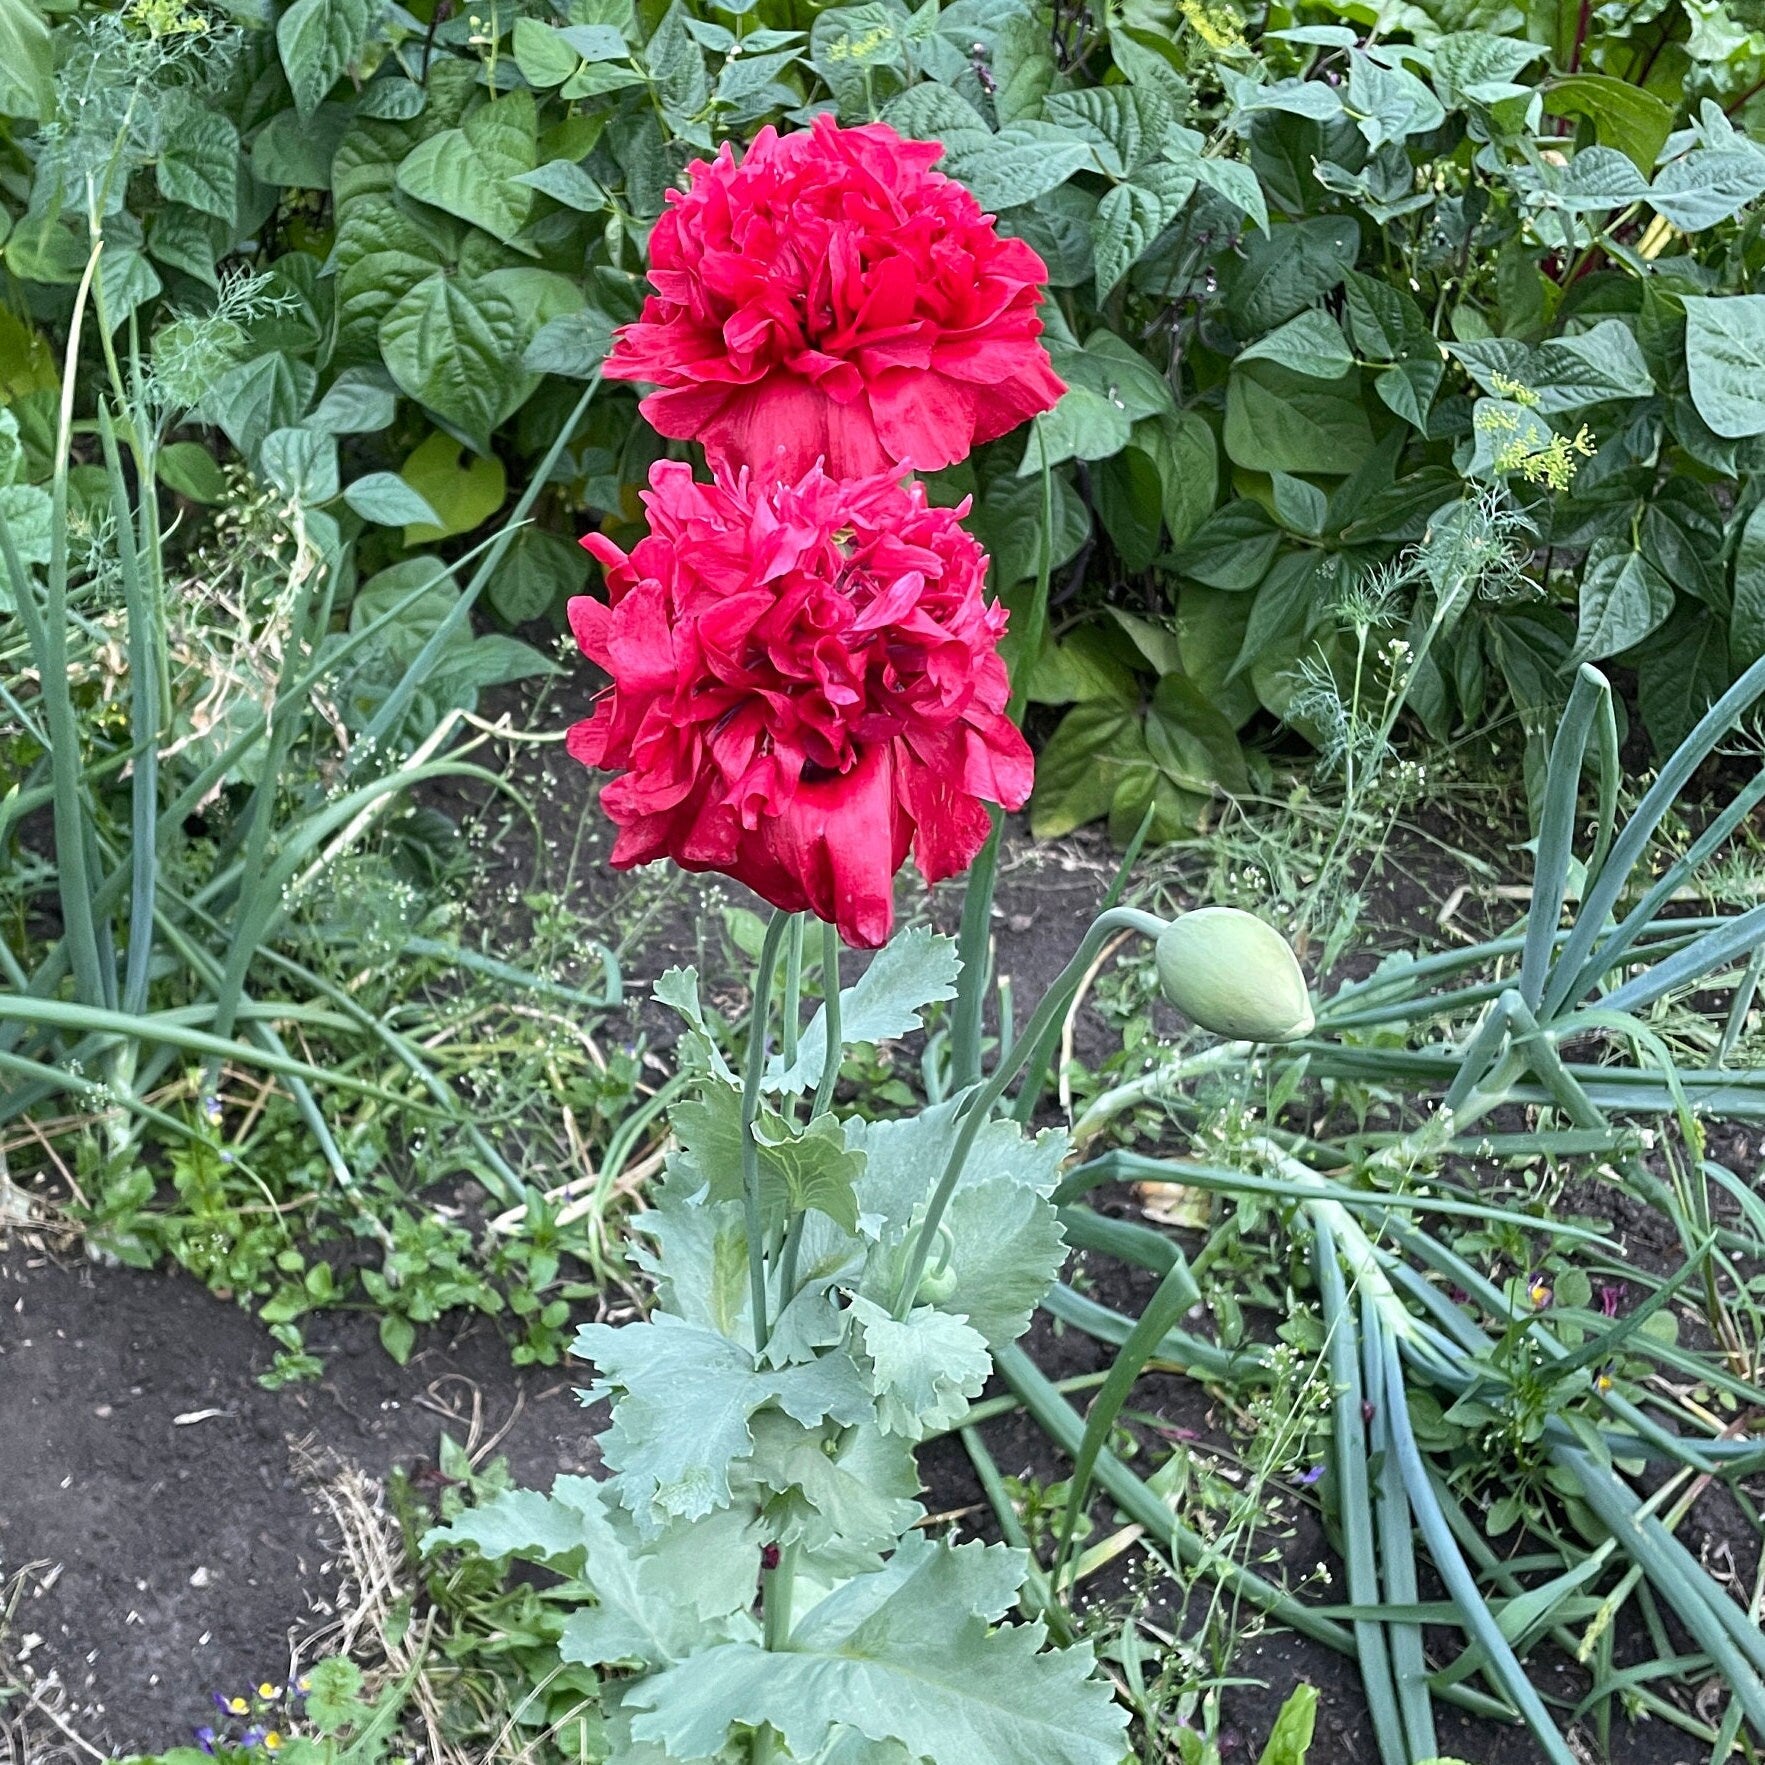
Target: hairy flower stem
{"x": 830, "y": 1072}
{"x": 830, "y": 984}
{"x": 753, "y": 1072}
{"x": 981, "y": 1104}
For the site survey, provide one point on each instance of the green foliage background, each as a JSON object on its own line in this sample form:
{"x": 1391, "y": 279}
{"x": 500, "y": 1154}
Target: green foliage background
{"x": 1320, "y": 276}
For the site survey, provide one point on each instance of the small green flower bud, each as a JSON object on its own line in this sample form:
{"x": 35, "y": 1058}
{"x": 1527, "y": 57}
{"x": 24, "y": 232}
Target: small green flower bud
{"x": 1229, "y": 972}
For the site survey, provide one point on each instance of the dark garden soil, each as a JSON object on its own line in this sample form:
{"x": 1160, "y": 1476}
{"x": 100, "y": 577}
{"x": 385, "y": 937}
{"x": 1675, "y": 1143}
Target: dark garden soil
{"x": 167, "y": 1517}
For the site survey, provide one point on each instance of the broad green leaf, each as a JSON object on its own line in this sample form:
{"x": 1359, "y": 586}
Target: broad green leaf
{"x": 1747, "y": 623}
{"x": 924, "y": 1369}
{"x": 1007, "y": 1248}
{"x": 1623, "y": 598}
{"x": 1235, "y": 181}
{"x": 1307, "y": 98}
{"x": 190, "y": 241}
{"x": 388, "y": 501}
{"x": 1021, "y": 163}
{"x": 1311, "y": 344}
{"x": 1129, "y": 496}
{"x": 903, "y": 1160}
{"x": 678, "y": 989}
{"x": 474, "y": 171}
{"x": 1592, "y": 367}
{"x": 542, "y": 55}
{"x": 1681, "y": 671}
{"x": 1388, "y": 103}
{"x": 637, "y": 1618}
{"x": 682, "y": 1396}
{"x": 30, "y": 517}
{"x": 455, "y": 348}
{"x": 799, "y": 1167}
{"x": 906, "y": 1654}
{"x": 1595, "y": 180}
{"x": 573, "y": 345}
{"x": 1300, "y": 507}
{"x": 1008, "y": 522}
{"x": 1084, "y": 425}
{"x": 301, "y": 463}
{"x": 1233, "y": 548}
{"x": 191, "y": 470}
{"x": 1279, "y": 421}
{"x": 1385, "y": 321}
{"x": 319, "y": 40}
{"x": 1408, "y": 388}
{"x": 1706, "y": 187}
{"x": 1624, "y": 116}
{"x": 812, "y": 1167}
{"x": 27, "y": 62}
{"x": 1124, "y": 124}
{"x": 1287, "y": 269}
{"x": 199, "y": 164}
{"x": 931, "y": 112}
{"x": 1131, "y": 216}
{"x": 914, "y": 969}
{"x": 1110, "y": 365}
{"x": 536, "y": 571}
{"x": 677, "y": 65}
{"x": 1086, "y": 759}
{"x": 358, "y": 402}
{"x": 563, "y": 180}
{"x": 1183, "y": 448}
{"x": 463, "y": 490}
{"x": 265, "y": 393}
{"x": 1725, "y": 361}
{"x": 128, "y": 281}
{"x": 1470, "y": 64}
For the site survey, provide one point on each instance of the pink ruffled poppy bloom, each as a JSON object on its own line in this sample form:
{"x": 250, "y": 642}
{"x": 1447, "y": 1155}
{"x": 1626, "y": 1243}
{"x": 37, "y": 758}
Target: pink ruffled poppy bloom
{"x": 832, "y": 298}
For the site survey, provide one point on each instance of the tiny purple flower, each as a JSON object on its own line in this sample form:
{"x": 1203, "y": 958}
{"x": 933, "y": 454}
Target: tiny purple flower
{"x": 205, "y": 1738}
{"x": 1611, "y": 1297}
{"x": 1309, "y": 1477}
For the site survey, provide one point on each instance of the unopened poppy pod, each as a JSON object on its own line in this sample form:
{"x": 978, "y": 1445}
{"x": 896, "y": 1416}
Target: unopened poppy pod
{"x": 1232, "y": 973}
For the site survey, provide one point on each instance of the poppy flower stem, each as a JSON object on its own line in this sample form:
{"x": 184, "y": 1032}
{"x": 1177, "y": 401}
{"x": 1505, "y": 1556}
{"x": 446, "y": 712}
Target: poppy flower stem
{"x": 753, "y": 1072}
{"x": 980, "y": 1104}
{"x": 830, "y": 982}
{"x": 972, "y": 948}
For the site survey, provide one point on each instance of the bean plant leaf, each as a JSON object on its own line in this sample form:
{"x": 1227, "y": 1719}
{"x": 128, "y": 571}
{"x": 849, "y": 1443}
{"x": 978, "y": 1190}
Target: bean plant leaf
{"x": 1623, "y": 598}
{"x": 1706, "y": 188}
{"x": 905, "y": 1654}
{"x": 476, "y": 172}
{"x": 1311, "y": 343}
{"x": 199, "y": 165}
{"x": 388, "y": 501}
{"x": 319, "y": 41}
{"x": 1747, "y": 622}
{"x": 452, "y": 345}
{"x": 1725, "y": 359}
{"x": 27, "y": 62}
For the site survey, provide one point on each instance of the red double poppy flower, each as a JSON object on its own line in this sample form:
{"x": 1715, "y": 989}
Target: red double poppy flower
{"x": 806, "y": 685}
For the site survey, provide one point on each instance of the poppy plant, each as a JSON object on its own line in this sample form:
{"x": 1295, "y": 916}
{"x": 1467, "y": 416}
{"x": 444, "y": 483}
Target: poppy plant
{"x": 806, "y": 686}
{"x": 829, "y": 297}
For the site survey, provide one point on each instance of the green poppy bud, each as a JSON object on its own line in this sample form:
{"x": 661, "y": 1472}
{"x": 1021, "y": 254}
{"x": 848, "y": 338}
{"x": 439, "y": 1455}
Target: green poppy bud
{"x": 1229, "y": 972}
